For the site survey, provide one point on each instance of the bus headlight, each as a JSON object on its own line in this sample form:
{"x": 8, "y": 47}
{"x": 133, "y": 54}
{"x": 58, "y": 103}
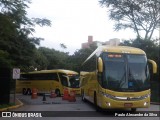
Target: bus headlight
{"x": 145, "y": 96}
{"x": 108, "y": 104}
{"x": 145, "y": 103}
{"x": 108, "y": 95}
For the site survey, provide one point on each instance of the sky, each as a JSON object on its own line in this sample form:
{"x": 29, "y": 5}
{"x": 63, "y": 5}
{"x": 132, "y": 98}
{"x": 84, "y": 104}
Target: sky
{"x": 72, "y": 22}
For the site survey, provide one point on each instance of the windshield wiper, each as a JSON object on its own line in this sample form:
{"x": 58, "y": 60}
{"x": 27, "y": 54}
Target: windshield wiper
{"x": 131, "y": 78}
{"x": 122, "y": 81}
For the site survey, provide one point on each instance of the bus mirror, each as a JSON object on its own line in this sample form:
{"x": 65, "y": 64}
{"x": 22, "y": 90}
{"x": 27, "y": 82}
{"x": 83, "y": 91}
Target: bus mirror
{"x": 100, "y": 65}
{"x": 154, "y": 65}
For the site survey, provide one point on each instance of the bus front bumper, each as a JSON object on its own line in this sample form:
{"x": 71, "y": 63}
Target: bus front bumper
{"x": 110, "y": 103}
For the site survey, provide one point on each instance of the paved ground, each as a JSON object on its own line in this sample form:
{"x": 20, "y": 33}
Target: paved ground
{"x": 46, "y": 100}
{"x": 59, "y": 109}
{"x": 53, "y": 104}
{"x": 27, "y": 100}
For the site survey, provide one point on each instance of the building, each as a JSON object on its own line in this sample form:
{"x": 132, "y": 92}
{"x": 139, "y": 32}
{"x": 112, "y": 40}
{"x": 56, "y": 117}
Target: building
{"x": 87, "y": 44}
{"x": 111, "y": 42}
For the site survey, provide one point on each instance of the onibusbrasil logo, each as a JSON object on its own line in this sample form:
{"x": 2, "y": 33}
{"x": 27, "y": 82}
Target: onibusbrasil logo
{"x": 21, "y": 114}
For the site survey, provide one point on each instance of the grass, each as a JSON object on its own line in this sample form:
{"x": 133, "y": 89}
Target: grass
{"x": 6, "y": 105}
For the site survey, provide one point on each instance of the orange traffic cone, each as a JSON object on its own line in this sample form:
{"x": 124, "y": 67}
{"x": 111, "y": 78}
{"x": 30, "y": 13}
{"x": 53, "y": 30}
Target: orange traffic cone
{"x": 53, "y": 94}
{"x": 72, "y": 97}
{"x": 34, "y": 93}
{"x": 65, "y": 94}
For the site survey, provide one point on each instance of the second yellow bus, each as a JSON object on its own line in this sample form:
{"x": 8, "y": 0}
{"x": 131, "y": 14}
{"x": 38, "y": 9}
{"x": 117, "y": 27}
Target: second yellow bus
{"x": 47, "y": 80}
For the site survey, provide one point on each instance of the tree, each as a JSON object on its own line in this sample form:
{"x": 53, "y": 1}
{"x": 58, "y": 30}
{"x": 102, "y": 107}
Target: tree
{"x": 56, "y": 59}
{"x": 139, "y": 15}
{"x": 77, "y": 59}
{"x": 150, "y": 47}
{"x": 16, "y": 30}
{"x": 63, "y": 46}
{"x": 40, "y": 60}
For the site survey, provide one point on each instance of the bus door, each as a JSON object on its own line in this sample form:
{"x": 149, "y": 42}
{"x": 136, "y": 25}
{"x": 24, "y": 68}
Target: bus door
{"x": 99, "y": 87}
{"x": 86, "y": 85}
{"x": 92, "y": 85}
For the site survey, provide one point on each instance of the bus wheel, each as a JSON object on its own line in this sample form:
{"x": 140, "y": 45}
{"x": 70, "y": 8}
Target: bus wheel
{"x": 29, "y": 92}
{"x": 133, "y": 109}
{"x": 95, "y": 103}
{"x": 24, "y": 91}
{"x": 82, "y": 96}
{"x": 57, "y": 91}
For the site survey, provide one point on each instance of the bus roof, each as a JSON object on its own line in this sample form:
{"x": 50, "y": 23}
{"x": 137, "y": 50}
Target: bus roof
{"x": 54, "y": 71}
{"x": 116, "y": 49}
{"x": 121, "y": 49}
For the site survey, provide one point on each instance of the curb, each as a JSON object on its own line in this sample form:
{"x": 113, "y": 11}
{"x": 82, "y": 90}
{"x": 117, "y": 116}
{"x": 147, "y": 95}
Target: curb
{"x": 155, "y": 103}
{"x": 18, "y": 104}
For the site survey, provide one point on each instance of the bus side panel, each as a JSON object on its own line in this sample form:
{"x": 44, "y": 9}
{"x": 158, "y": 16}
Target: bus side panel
{"x": 93, "y": 86}
{"x": 43, "y": 86}
{"x": 22, "y": 84}
{"x": 89, "y": 86}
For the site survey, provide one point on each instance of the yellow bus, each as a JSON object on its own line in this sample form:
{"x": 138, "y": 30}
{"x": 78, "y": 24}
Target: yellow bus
{"x": 46, "y": 80}
{"x": 117, "y": 77}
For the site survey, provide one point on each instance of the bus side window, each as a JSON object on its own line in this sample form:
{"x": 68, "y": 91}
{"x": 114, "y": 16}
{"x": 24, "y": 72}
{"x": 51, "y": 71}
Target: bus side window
{"x": 54, "y": 77}
{"x": 24, "y": 77}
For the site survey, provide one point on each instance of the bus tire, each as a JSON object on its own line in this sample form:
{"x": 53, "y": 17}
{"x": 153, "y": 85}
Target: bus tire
{"x": 24, "y": 91}
{"x": 98, "y": 109}
{"x": 82, "y": 96}
{"x": 133, "y": 109}
{"x": 57, "y": 91}
{"x": 29, "y": 92}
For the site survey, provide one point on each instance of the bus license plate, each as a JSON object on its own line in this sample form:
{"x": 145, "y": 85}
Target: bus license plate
{"x": 128, "y": 104}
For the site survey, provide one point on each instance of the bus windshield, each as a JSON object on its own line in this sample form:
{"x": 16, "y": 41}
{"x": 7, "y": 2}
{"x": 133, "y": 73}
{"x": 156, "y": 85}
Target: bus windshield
{"x": 74, "y": 81}
{"x": 70, "y": 80}
{"x": 125, "y": 72}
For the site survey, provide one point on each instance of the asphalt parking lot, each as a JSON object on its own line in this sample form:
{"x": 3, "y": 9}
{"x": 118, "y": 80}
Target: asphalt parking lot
{"x": 59, "y": 109}
{"x": 54, "y": 104}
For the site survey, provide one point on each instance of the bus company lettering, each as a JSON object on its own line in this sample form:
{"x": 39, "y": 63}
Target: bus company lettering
{"x": 15, "y": 114}
{"x": 34, "y": 115}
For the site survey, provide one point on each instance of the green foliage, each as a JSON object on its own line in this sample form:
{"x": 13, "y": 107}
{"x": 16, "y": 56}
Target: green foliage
{"x": 63, "y": 46}
{"x": 4, "y": 59}
{"x": 42, "y": 22}
{"x": 6, "y": 105}
{"x": 151, "y": 47}
{"x": 17, "y": 47}
{"x": 41, "y": 61}
{"x": 138, "y": 15}
{"x": 80, "y": 56}
{"x": 55, "y": 59}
